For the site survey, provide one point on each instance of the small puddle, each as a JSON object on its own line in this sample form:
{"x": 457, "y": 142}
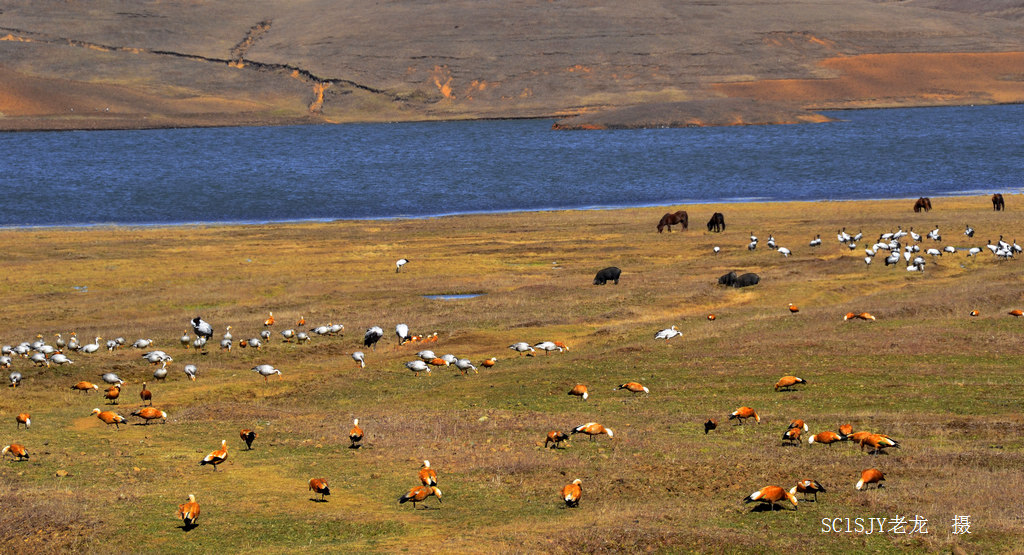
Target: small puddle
{"x": 452, "y": 297}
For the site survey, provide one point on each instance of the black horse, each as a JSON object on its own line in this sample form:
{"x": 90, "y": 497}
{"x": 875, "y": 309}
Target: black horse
{"x": 669, "y": 220}
{"x": 717, "y": 222}
{"x": 998, "y": 203}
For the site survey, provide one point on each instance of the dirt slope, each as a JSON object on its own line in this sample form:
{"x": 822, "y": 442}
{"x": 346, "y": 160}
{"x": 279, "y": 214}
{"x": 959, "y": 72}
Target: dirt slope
{"x": 102, "y": 63}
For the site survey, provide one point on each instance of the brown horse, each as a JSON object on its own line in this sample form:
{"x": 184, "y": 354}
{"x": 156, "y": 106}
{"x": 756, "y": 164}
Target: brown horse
{"x": 669, "y": 220}
{"x": 717, "y": 222}
{"x": 997, "y": 202}
{"x": 923, "y": 203}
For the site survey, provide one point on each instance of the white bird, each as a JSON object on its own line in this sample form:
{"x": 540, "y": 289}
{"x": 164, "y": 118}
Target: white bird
{"x": 449, "y": 358}
{"x": 548, "y": 346}
{"x": 933, "y": 252}
{"x": 142, "y": 343}
{"x": 949, "y": 249}
{"x": 752, "y": 245}
{"x": 867, "y": 260}
{"x": 255, "y": 343}
{"x": 892, "y": 259}
{"x": 156, "y": 357}
{"x": 161, "y": 373}
{"x": 288, "y": 334}
{"x": 934, "y": 234}
{"x": 59, "y": 358}
{"x": 112, "y": 378}
{"x": 858, "y": 236}
{"x": 771, "y": 241}
{"x": 202, "y": 328}
{"x": 667, "y": 333}
{"x": 199, "y": 343}
{"x": 265, "y": 335}
{"x": 40, "y": 360}
{"x": 402, "y": 331}
{"x": 46, "y": 350}
{"x": 337, "y": 328}
{"x": 907, "y": 255}
{"x": 465, "y": 365}
{"x": 716, "y": 249}
{"x": 753, "y": 238}
{"x": 969, "y": 231}
{"x": 360, "y": 358}
{"x": 321, "y": 330}
{"x": 266, "y": 371}
{"x": 973, "y": 251}
{"x": 185, "y": 340}
{"x": 112, "y": 344}
{"x": 915, "y": 236}
{"x": 816, "y": 242}
{"x": 851, "y": 245}
{"x": 225, "y": 344}
{"x": 426, "y": 355}
{"x": 5, "y": 361}
{"x": 91, "y": 347}
{"x": 401, "y": 262}
{"x": 302, "y": 337}
{"x": 227, "y": 334}
{"x": 870, "y": 252}
{"x": 418, "y": 366}
{"x": 521, "y": 347}
{"x": 784, "y": 251}
{"x": 190, "y": 371}
{"x": 992, "y": 247}
{"x": 372, "y": 336}
{"x": 15, "y": 378}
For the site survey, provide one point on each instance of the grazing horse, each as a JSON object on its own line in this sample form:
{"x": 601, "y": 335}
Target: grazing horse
{"x": 669, "y": 220}
{"x": 997, "y": 202}
{"x": 717, "y": 222}
{"x": 923, "y": 203}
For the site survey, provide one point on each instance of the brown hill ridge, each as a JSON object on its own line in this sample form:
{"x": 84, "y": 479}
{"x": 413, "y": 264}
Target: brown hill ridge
{"x": 105, "y": 64}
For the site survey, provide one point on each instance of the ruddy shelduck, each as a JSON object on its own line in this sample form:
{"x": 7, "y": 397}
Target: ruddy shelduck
{"x": 112, "y": 393}
{"x": 216, "y": 457}
{"x": 580, "y": 391}
{"x": 427, "y": 475}
{"x": 270, "y": 320}
{"x": 150, "y": 413}
{"x": 827, "y": 437}
{"x": 710, "y": 424}
{"x": 798, "y": 424}
{"x": 319, "y": 485}
{"x": 634, "y": 387}
{"x": 771, "y": 495}
{"x": 807, "y": 486}
{"x": 849, "y": 316}
{"x": 85, "y": 386}
{"x": 878, "y": 442}
{"x": 248, "y": 436}
{"x": 592, "y": 429}
{"x": 975, "y": 313}
{"x": 419, "y": 494}
{"x": 866, "y": 316}
{"x": 787, "y": 382}
{"x": 489, "y": 362}
{"x": 188, "y": 512}
{"x": 571, "y": 493}
{"x": 846, "y": 429}
{"x": 857, "y": 437}
{"x": 16, "y": 451}
{"x": 23, "y": 418}
{"x": 1016, "y": 312}
{"x": 712, "y": 317}
{"x": 555, "y": 438}
{"x": 744, "y": 413}
{"x": 110, "y": 417}
{"x": 146, "y": 395}
{"x": 355, "y": 435}
{"x": 793, "y": 309}
{"x": 870, "y": 476}
{"x": 792, "y": 435}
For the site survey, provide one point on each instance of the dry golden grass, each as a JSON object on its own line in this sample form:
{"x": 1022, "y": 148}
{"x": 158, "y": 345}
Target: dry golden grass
{"x": 947, "y": 386}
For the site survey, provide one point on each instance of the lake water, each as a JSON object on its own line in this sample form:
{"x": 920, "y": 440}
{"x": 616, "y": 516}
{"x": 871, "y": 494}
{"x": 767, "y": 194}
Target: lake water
{"x": 264, "y": 174}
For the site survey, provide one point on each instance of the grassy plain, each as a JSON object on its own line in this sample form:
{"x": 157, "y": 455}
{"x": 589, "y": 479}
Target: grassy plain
{"x": 947, "y": 386}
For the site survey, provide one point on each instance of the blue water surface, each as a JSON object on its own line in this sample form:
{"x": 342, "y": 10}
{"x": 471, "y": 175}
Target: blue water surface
{"x": 328, "y": 172}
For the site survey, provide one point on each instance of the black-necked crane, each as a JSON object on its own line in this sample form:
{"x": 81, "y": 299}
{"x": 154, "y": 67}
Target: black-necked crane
{"x": 202, "y": 328}
{"x": 372, "y": 336}
{"x": 399, "y": 263}
{"x": 402, "y": 331}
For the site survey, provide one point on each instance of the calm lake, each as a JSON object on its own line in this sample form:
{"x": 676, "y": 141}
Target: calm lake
{"x": 265, "y": 174}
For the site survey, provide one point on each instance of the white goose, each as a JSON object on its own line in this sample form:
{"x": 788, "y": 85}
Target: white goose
{"x": 668, "y": 333}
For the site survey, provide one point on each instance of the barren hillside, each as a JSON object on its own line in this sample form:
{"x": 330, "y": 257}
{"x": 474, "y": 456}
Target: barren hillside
{"x": 109, "y": 64}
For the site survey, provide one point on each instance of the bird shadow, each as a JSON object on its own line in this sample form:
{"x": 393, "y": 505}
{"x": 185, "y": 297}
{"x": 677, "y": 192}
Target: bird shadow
{"x": 767, "y": 508}
{"x": 426, "y": 508}
{"x": 188, "y": 527}
{"x": 355, "y": 446}
{"x": 315, "y": 500}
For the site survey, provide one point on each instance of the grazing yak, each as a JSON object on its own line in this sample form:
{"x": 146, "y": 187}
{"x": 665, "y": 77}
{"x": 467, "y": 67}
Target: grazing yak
{"x": 923, "y": 203}
{"x": 669, "y": 220}
{"x": 745, "y": 280}
{"x": 998, "y": 203}
{"x": 717, "y": 222}
{"x": 611, "y": 273}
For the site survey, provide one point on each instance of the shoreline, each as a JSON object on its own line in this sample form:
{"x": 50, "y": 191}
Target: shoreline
{"x": 399, "y": 219}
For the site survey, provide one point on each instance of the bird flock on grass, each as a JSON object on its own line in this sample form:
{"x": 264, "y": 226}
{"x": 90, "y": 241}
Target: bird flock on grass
{"x": 900, "y": 245}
